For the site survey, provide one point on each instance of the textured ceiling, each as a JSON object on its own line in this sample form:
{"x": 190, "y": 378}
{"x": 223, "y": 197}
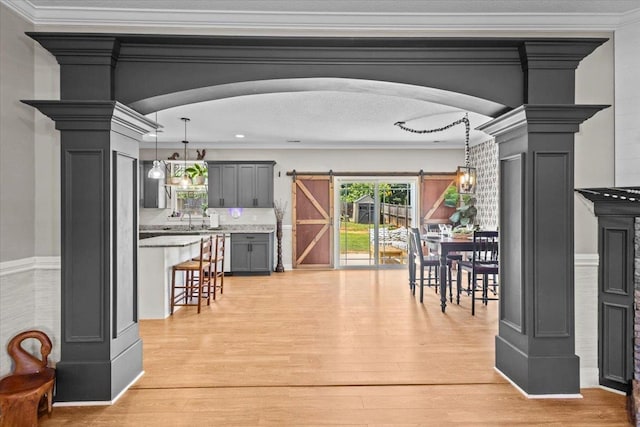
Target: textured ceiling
{"x": 314, "y": 120}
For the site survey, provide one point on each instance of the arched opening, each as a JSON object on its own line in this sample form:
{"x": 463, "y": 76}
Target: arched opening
{"x": 537, "y": 354}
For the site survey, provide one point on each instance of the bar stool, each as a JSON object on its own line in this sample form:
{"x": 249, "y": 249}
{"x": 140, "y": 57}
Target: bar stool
{"x": 218, "y": 266}
{"x": 197, "y": 277}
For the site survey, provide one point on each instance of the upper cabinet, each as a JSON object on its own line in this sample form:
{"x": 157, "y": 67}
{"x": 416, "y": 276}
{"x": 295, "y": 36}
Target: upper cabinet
{"x": 241, "y": 184}
{"x": 223, "y": 185}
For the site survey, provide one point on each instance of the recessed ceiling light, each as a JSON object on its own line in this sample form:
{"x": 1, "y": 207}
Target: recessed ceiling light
{"x": 239, "y": 135}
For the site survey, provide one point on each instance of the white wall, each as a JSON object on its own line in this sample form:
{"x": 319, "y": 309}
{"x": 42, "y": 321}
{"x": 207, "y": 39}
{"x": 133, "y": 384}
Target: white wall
{"x": 29, "y": 289}
{"x": 47, "y": 157}
{"x": 17, "y": 200}
{"x": 594, "y": 143}
{"x": 627, "y": 116}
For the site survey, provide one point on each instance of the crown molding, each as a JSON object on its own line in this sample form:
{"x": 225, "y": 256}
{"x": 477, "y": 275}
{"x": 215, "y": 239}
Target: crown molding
{"x": 286, "y": 21}
{"x": 630, "y": 18}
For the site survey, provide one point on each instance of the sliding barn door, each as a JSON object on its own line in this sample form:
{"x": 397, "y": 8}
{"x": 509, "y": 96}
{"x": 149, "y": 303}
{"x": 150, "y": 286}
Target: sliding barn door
{"x": 432, "y": 191}
{"x": 312, "y": 221}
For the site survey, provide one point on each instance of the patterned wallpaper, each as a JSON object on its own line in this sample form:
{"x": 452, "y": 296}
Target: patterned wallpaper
{"x": 484, "y": 157}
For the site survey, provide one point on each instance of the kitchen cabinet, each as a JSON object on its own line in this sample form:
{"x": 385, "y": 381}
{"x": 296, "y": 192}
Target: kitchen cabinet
{"x": 150, "y": 187}
{"x": 241, "y": 184}
{"x": 255, "y": 185}
{"x": 251, "y": 253}
{"x": 223, "y": 185}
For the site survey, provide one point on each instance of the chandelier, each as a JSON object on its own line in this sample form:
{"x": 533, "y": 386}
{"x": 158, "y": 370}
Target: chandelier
{"x": 466, "y": 175}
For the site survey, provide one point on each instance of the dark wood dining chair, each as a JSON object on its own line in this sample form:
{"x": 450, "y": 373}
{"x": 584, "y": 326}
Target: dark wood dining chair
{"x": 419, "y": 261}
{"x": 197, "y": 276}
{"x": 483, "y": 265}
{"x": 29, "y": 388}
{"x": 452, "y": 257}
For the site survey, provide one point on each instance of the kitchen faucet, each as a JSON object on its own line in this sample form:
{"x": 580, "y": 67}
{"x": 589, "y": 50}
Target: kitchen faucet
{"x": 187, "y": 213}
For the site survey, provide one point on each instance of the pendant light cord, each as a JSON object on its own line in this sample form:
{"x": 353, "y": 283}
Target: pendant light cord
{"x": 185, "y": 142}
{"x": 467, "y": 128}
{"x": 157, "y": 136}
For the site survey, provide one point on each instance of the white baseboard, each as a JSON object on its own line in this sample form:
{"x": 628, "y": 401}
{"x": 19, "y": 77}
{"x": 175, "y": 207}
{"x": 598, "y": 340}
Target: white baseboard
{"x": 101, "y": 402}
{"x": 589, "y": 378}
{"x": 538, "y": 396}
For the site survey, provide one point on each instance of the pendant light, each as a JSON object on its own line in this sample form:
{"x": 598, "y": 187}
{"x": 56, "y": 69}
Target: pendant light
{"x": 157, "y": 171}
{"x": 185, "y": 181}
{"x": 467, "y": 175}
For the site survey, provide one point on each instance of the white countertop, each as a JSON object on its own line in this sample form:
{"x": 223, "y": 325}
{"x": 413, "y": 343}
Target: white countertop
{"x": 169, "y": 241}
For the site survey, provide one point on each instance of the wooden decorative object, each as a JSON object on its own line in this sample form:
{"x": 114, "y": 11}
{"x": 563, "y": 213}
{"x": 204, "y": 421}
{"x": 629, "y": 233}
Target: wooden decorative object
{"x": 279, "y": 208}
{"x": 30, "y": 387}
{"x": 279, "y": 266}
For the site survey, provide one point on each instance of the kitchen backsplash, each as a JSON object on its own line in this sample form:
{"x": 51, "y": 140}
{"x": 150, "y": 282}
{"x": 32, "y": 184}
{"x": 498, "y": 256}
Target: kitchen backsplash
{"x": 237, "y": 216}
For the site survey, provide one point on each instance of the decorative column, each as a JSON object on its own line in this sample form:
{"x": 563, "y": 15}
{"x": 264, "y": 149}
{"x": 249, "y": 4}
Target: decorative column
{"x": 535, "y": 346}
{"x": 101, "y": 349}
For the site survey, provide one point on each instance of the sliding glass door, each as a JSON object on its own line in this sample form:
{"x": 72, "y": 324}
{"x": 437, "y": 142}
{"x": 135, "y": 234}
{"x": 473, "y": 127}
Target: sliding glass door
{"x": 373, "y": 217}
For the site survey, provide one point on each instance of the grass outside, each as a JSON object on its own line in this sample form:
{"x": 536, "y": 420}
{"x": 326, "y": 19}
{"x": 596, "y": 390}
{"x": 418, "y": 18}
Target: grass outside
{"x": 354, "y": 237}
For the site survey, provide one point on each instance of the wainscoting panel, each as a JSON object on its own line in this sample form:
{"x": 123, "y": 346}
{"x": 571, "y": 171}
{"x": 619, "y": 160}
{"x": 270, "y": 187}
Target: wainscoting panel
{"x": 30, "y": 299}
{"x": 44, "y": 314}
{"x": 586, "y": 317}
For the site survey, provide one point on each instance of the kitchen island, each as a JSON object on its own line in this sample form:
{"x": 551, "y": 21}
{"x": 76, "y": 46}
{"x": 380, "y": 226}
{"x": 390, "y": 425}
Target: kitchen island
{"x": 249, "y": 248}
{"x": 156, "y": 257}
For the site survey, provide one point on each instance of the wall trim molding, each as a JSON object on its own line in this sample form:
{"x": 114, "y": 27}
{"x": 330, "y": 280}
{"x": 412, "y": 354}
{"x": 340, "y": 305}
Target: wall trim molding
{"x": 247, "y": 21}
{"x": 28, "y": 264}
{"x": 586, "y": 260}
{"x": 629, "y": 18}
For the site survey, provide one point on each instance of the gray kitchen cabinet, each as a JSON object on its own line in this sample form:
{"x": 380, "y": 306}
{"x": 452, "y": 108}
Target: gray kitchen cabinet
{"x": 223, "y": 185}
{"x": 241, "y": 184}
{"x": 255, "y": 185}
{"x": 251, "y": 253}
{"x": 264, "y": 185}
{"x": 149, "y": 187}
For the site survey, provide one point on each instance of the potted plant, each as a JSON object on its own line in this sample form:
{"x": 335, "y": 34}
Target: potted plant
{"x": 198, "y": 173}
{"x": 176, "y": 176}
{"x": 466, "y": 211}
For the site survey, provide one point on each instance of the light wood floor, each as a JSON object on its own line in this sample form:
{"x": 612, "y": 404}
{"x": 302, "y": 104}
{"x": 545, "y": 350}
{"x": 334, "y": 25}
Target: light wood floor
{"x": 330, "y": 348}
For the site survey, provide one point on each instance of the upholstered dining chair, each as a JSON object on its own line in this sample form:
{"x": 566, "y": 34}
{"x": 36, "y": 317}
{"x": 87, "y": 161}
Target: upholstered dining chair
{"x": 483, "y": 265}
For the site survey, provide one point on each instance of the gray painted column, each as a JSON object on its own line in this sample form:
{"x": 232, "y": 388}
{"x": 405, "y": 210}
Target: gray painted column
{"x": 549, "y": 68}
{"x": 101, "y": 349}
{"x": 87, "y": 64}
{"x": 535, "y": 346}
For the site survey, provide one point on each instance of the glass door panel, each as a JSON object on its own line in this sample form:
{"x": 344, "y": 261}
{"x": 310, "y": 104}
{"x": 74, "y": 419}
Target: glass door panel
{"x": 374, "y": 217}
{"x": 357, "y": 224}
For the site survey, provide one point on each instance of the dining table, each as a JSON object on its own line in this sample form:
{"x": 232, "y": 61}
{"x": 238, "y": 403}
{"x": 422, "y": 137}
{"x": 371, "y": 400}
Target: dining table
{"x": 443, "y": 245}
